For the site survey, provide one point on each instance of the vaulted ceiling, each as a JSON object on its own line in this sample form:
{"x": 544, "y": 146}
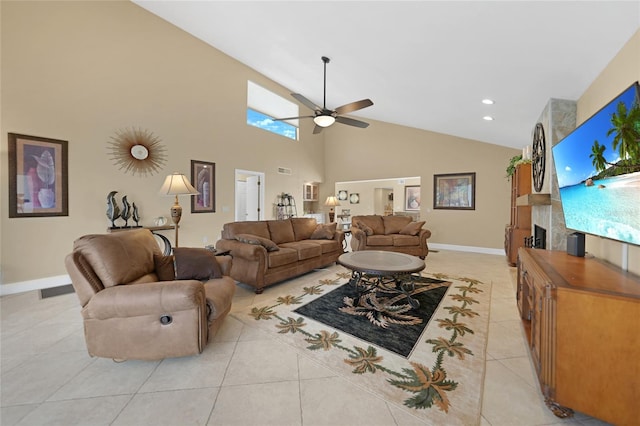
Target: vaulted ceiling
{"x": 425, "y": 64}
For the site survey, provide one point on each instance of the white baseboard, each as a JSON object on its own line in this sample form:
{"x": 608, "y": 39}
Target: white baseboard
{"x": 484, "y": 250}
{"x": 38, "y": 284}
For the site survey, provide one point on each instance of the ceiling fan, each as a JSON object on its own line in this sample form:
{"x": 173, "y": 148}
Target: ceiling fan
{"x": 324, "y": 117}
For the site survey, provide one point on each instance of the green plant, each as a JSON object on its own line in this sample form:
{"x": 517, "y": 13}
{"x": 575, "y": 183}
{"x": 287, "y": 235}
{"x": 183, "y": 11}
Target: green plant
{"x": 513, "y": 163}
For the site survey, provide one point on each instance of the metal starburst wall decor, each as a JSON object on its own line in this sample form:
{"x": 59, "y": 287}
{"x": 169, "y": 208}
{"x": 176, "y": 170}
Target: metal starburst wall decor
{"x": 137, "y": 151}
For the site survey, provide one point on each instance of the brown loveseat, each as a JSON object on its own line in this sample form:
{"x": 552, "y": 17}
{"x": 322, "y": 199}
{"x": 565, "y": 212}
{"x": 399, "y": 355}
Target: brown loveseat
{"x": 389, "y": 233}
{"x": 269, "y": 251}
{"x": 133, "y": 305}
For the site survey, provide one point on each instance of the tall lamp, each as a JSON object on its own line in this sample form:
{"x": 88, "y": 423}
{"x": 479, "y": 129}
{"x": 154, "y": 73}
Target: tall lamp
{"x": 177, "y": 184}
{"x": 332, "y": 201}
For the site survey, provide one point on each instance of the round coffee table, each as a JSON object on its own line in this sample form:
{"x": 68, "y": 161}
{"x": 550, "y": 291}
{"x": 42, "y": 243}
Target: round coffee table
{"x": 386, "y": 270}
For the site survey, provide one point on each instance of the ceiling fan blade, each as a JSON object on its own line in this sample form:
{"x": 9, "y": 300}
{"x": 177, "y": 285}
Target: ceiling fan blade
{"x": 354, "y": 106}
{"x": 352, "y": 122}
{"x": 317, "y": 129}
{"x": 306, "y": 102}
{"x": 293, "y": 118}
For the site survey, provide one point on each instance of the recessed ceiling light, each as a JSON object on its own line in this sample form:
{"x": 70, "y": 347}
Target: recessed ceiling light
{"x": 488, "y": 101}
{"x": 488, "y": 118}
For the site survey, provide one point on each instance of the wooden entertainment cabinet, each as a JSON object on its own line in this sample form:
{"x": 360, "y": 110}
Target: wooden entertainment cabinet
{"x": 519, "y": 226}
{"x": 582, "y": 319}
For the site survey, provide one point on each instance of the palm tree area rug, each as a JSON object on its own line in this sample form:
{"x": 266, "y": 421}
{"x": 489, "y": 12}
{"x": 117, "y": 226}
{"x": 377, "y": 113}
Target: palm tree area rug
{"x": 429, "y": 361}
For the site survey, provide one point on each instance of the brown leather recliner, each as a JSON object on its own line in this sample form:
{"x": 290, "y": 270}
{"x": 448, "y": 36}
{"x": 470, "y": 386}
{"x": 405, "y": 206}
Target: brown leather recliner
{"x": 129, "y": 313}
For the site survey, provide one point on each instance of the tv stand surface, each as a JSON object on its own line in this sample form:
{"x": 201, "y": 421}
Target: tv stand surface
{"x": 582, "y": 321}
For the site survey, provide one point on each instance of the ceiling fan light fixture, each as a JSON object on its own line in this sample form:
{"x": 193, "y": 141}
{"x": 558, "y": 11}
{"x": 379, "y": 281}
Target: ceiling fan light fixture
{"x": 324, "y": 120}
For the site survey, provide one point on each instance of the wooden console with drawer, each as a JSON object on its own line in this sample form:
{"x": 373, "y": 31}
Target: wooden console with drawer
{"x": 582, "y": 319}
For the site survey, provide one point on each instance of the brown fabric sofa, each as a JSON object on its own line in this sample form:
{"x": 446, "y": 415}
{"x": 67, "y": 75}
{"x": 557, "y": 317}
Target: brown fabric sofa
{"x": 269, "y": 251}
{"x": 129, "y": 313}
{"x": 390, "y": 233}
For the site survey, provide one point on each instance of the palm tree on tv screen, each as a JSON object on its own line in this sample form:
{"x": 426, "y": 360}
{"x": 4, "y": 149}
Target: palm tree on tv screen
{"x": 625, "y": 128}
{"x": 626, "y": 131}
{"x": 597, "y": 156}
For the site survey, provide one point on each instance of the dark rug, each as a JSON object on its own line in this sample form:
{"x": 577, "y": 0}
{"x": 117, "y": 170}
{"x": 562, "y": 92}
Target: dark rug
{"x": 382, "y": 318}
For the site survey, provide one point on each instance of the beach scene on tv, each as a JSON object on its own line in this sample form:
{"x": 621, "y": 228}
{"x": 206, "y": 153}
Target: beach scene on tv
{"x": 598, "y": 171}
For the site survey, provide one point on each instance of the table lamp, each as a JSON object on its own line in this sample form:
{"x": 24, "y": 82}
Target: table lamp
{"x": 331, "y": 201}
{"x": 177, "y": 184}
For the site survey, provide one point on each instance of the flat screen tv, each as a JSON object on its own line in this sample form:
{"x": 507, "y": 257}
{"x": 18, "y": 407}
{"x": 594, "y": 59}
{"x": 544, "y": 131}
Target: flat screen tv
{"x": 598, "y": 171}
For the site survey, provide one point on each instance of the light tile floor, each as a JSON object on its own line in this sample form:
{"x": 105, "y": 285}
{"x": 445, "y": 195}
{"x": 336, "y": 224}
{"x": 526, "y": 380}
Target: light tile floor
{"x": 244, "y": 377}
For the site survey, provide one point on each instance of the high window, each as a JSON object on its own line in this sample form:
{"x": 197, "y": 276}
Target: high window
{"x": 263, "y": 106}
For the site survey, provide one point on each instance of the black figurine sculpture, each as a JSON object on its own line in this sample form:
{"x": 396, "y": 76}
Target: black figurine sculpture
{"x": 126, "y": 211}
{"x": 113, "y": 211}
{"x": 136, "y": 215}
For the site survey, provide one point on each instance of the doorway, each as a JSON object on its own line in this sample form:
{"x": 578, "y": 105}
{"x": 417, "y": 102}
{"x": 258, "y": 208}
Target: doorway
{"x": 249, "y": 200}
{"x": 378, "y": 196}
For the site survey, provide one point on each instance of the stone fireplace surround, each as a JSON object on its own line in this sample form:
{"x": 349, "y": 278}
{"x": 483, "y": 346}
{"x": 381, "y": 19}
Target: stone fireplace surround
{"x": 558, "y": 120}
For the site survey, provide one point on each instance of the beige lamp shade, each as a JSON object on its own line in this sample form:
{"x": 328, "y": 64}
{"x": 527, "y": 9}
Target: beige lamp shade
{"x": 177, "y": 184}
{"x": 332, "y": 201}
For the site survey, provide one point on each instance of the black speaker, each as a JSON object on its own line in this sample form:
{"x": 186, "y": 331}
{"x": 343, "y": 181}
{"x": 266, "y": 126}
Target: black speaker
{"x": 575, "y": 244}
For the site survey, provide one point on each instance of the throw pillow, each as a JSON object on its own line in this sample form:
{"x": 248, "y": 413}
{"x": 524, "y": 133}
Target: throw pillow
{"x": 365, "y": 228}
{"x": 412, "y": 228}
{"x": 281, "y": 231}
{"x": 196, "y": 264}
{"x": 164, "y": 267}
{"x": 258, "y": 241}
{"x": 394, "y": 224}
{"x": 324, "y": 232}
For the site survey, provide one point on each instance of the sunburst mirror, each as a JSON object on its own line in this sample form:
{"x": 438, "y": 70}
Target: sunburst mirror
{"x": 137, "y": 151}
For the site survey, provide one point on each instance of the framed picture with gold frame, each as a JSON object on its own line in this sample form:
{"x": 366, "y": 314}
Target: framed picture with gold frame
{"x": 454, "y": 191}
{"x": 38, "y": 176}
{"x": 203, "y": 178}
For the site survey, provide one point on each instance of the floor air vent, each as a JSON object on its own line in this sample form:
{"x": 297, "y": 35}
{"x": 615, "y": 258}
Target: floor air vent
{"x": 56, "y": 291}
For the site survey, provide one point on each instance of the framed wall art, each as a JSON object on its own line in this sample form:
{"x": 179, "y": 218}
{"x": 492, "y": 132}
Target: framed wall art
{"x": 342, "y": 195}
{"x": 412, "y": 198}
{"x": 454, "y": 191}
{"x": 203, "y": 178}
{"x": 38, "y": 176}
